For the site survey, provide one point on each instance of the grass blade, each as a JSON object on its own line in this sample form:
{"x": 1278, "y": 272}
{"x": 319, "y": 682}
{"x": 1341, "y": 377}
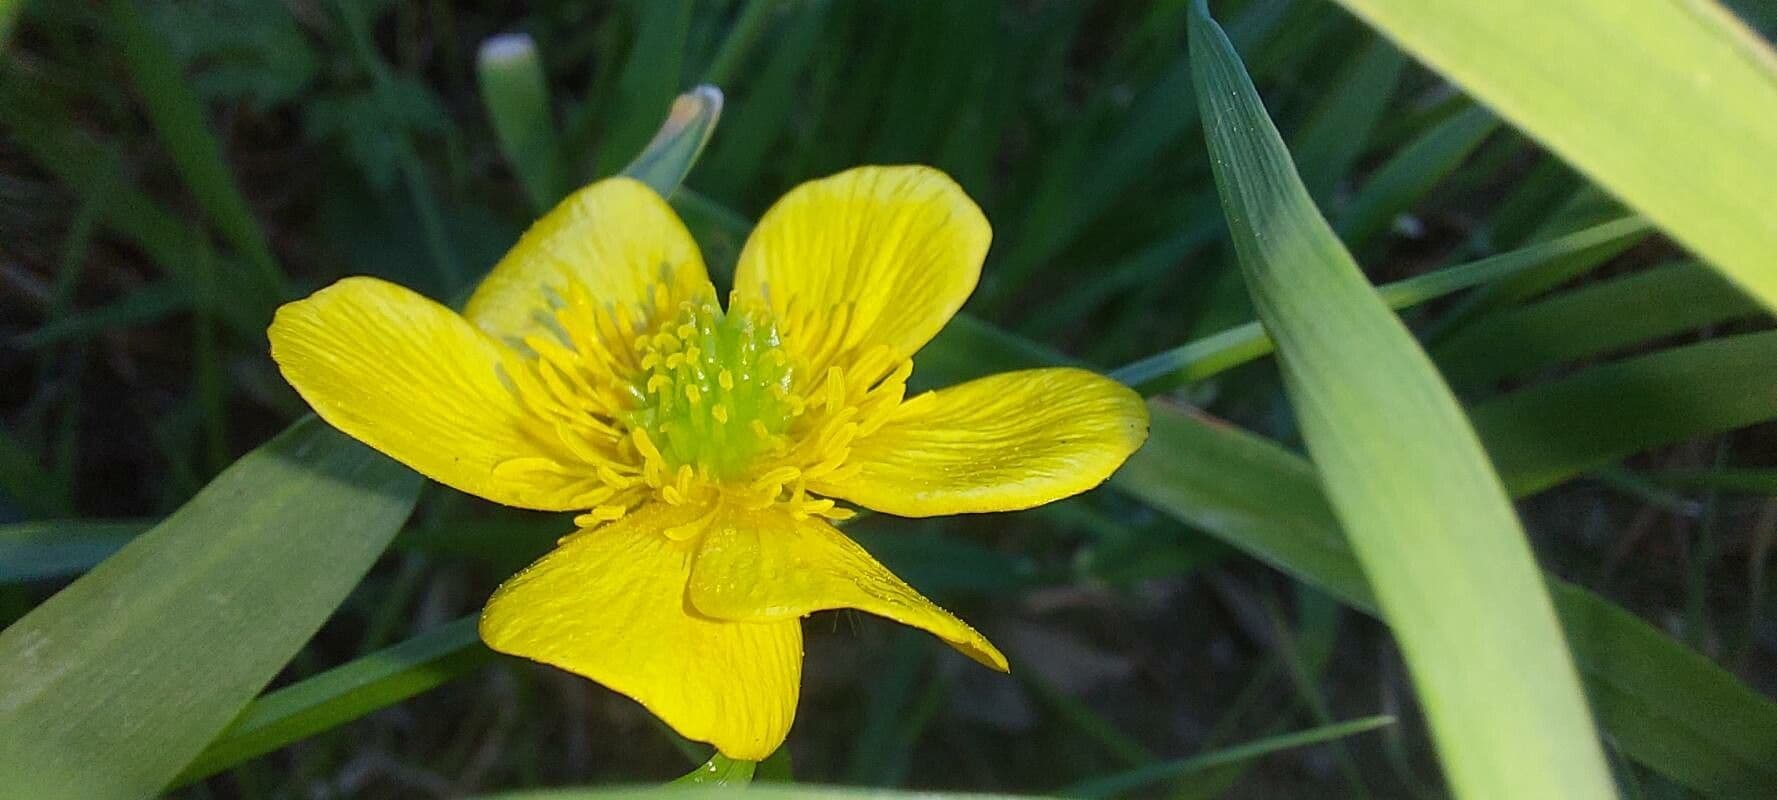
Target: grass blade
{"x": 513, "y": 90}
{"x": 689, "y": 124}
{"x": 44, "y": 129}
{"x": 725, "y": 67}
{"x": 139, "y": 307}
{"x": 1238, "y": 345}
{"x": 720, "y": 770}
{"x": 1542, "y": 435}
{"x": 179, "y": 119}
{"x": 649, "y": 81}
{"x": 1749, "y": 480}
{"x": 25, "y": 481}
{"x": 1593, "y": 319}
{"x": 1333, "y": 139}
{"x": 114, "y": 683}
{"x": 1669, "y": 104}
{"x": 413, "y": 171}
{"x": 1113, "y": 785}
{"x": 1406, "y": 474}
{"x": 1412, "y": 172}
{"x": 343, "y": 694}
{"x": 34, "y": 551}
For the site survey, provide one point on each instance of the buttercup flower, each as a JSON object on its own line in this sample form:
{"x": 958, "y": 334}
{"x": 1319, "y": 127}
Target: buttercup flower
{"x": 594, "y": 371}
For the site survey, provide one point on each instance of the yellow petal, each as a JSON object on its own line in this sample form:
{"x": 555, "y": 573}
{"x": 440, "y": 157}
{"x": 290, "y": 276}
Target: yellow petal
{"x": 616, "y": 239}
{"x": 610, "y": 604}
{"x": 1000, "y": 443}
{"x": 412, "y": 379}
{"x": 871, "y": 256}
{"x": 760, "y": 566}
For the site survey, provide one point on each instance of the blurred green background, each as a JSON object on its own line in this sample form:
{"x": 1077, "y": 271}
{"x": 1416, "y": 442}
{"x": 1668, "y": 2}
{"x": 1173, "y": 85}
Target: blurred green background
{"x": 138, "y": 269}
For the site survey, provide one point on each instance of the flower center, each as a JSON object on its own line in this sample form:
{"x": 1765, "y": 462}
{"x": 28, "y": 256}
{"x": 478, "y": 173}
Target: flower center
{"x": 716, "y": 389}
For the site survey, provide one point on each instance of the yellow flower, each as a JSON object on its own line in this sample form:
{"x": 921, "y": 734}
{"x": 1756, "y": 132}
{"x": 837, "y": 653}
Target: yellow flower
{"x": 594, "y": 371}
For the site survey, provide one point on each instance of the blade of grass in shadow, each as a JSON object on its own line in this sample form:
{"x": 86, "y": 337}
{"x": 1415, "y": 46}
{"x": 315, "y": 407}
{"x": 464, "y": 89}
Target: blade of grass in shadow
{"x": 1410, "y": 173}
{"x": 1669, "y": 104}
{"x": 1593, "y": 319}
{"x": 516, "y": 96}
{"x": 179, "y": 119}
{"x": 34, "y": 551}
{"x": 649, "y": 80}
{"x": 1745, "y": 480}
{"x": 1541, "y": 435}
{"x": 1333, "y": 138}
{"x": 1114, "y": 785}
{"x": 1406, "y": 474}
{"x": 26, "y": 483}
{"x": 342, "y": 694}
{"x": 413, "y": 171}
{"x": 44, "y": 129}
{"x": 739, "y": 42}
{"x": 769, "y": 105}
{"x": 138, "y": 307}
{"x": 9, "y": 17}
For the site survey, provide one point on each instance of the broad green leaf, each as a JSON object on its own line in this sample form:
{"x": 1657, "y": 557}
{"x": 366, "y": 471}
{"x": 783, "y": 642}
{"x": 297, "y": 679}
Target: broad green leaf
{"x": 114, "y": 683}
{"x": 34, "y": 551}
{"x": 1122, "y": 783}
{"x": 1669, "y": 104}
{"x": 1594, "y": 319}
{"x": 510, "y": 74}
{"x": 1405, "y": 473}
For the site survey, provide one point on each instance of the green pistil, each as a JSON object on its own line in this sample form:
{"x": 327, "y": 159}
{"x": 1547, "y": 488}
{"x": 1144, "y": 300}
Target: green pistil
{"x": 716, "y": 393}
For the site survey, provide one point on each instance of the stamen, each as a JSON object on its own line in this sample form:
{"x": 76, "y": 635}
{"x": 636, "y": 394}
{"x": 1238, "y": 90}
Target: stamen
{"x": 674, "y": 400}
